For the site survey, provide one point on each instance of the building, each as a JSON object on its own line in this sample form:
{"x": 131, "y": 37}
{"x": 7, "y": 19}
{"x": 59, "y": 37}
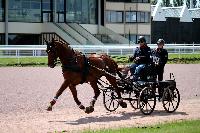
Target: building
{"x": 175, "y": 24}
{"x": 96, "y": 22}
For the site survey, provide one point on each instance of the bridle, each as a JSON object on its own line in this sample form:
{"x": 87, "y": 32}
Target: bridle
{"x": 52, "y": 50}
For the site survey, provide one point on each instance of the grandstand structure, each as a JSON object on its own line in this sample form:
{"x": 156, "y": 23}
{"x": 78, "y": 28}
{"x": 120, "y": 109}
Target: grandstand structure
{"x": 175, "y": 24}
{"x": 77, "y": 22}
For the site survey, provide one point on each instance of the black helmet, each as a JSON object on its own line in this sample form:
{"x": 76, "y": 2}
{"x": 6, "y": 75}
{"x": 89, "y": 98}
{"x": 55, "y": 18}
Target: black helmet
{"x": 160, "y": 41}
{"x": 141, "y": 39}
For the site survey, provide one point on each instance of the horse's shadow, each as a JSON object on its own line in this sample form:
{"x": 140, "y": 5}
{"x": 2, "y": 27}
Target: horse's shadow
{"x": 120, "y": 117}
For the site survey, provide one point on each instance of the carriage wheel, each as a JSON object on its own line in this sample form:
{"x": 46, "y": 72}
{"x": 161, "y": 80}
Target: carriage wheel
{"x": 147, "y": 101}
{"x": 171, "y": 99}
{"x": 134, "y": 100}
{"x": 110, "y": 100}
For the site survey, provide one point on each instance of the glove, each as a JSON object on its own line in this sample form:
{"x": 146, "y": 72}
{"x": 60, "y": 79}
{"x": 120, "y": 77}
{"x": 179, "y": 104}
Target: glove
{"x": 131, "y": 58}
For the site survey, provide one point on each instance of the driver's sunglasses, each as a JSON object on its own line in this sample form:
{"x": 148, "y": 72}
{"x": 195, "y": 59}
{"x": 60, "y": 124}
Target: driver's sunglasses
{"x": 140, "y": 42}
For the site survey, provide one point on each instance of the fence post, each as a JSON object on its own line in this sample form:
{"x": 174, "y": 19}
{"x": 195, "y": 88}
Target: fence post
{"x": 193, "y": 48}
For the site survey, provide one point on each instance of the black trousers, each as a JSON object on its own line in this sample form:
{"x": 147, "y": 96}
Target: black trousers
{"x": 160, "y": 71}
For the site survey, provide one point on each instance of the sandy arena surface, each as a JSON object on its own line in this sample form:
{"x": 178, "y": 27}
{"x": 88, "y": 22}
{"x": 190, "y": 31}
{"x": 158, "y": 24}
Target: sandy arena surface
{"x": 25, "y": 93}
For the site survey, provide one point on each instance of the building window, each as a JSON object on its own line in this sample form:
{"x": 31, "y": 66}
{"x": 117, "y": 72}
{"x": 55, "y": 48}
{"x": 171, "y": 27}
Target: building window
{"x": 131, "y": 37}
{"x": 2, "y": 5}
{"x": 137, "y": 16}
{"x": 143, "y": 17}
{"x": 114, "y": 16}
{"x": 81, "y": 11}
{"x": 24, "y": 39}
{"x": 60, "y": 7}
{"x": 131, "y": 17}
{"x": 24, "y": 10}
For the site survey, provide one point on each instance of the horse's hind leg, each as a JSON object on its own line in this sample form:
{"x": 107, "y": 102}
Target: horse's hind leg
{"x": 74, "y": 93}
{"x": 64, "y": 85}
{"x": 112, "y": 81}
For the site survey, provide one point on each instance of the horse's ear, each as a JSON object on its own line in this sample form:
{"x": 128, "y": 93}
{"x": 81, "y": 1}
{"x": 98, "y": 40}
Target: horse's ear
{"x": 52, "y": 39}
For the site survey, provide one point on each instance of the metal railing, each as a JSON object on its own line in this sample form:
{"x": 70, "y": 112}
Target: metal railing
{"x": 40, "y": 50}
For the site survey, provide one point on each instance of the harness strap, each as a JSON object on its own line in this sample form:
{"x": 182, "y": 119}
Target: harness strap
{"x": 76, "y": 68}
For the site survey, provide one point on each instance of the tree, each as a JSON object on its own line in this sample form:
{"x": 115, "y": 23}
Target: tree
{"x": 177, "y": 2}
{"x": 166, "y": 3}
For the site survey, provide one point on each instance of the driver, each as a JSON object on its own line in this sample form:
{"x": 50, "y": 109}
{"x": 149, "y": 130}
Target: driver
{"x": 141, "y": 58}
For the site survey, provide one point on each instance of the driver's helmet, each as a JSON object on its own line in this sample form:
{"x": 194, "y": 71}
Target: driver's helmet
{"x": 141, "y": 39}
{"x": 160, "y": 41}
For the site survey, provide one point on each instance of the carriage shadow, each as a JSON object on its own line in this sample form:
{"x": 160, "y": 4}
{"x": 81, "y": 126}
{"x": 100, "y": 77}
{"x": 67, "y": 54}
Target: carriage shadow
{"x": 111, "y": 117}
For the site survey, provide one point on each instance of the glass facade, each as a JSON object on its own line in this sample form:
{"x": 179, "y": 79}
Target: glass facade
{"x": 81, "y": 11}
{"x": 60, "y": 7}
{"x": 47, "y": 10}
{"x": 24, "y": 10}
{"x": 2, "y": 5}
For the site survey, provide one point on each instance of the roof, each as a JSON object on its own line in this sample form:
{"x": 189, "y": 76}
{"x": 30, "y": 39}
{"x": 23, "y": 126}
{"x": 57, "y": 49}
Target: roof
{"x": 195, "y": 12}
{"x": 181, "y": 12}
{"x": 174, "y": 12}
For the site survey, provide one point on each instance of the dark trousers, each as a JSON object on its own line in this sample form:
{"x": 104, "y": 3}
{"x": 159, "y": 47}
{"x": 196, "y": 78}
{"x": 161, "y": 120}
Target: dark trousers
{"x": 160, "y": 71}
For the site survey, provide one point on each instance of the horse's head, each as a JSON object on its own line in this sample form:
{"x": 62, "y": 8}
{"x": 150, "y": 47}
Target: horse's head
{"x": 52, "y": 53}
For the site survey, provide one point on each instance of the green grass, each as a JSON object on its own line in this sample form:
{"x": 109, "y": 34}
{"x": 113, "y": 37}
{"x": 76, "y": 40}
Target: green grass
{"x": 189, "y": 126}
{"x": 42, "y": 61}
{"x": 29, "y": 61}
{"x": 173, "y": 59}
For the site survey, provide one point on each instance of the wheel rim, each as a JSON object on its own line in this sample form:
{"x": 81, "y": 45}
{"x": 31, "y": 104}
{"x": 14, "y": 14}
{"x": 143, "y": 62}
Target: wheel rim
{"x": 171, "y": 99}
{"x": 147, "y": 101}
{"x": 110, "y": 100}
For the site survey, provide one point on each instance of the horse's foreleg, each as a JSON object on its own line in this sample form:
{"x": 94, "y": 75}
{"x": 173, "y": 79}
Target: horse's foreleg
{"x": 58, "y": 93}
{"x": 90, "y": 109}
{"x": 74, "y": 93}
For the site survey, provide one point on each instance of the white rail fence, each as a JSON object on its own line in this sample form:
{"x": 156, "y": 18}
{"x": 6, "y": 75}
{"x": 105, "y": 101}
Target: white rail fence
{"x": 40, "y": 50}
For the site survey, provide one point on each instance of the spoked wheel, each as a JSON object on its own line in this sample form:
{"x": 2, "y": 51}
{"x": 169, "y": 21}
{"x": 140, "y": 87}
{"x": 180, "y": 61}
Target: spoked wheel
{"x": 110, "y": 100}
{"x": 171, "y": 99}
{"x": 147, "y": 101}
{"x": 133, "y": 100}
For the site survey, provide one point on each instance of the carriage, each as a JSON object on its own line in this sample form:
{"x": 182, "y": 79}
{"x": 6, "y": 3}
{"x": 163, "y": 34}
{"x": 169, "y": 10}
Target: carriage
{"x": 143, "y": 93}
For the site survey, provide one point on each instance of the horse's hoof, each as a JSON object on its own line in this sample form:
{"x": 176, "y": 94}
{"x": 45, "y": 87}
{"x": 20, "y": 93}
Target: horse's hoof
{"x": 89, "y": 109}
{"x": 49, "y": 108}
{"x": 81, "y": 107}
{"x": 123, "y": 105}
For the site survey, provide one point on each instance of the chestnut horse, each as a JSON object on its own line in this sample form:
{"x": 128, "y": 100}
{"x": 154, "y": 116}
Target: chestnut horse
{"x": 78, "y": 69}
